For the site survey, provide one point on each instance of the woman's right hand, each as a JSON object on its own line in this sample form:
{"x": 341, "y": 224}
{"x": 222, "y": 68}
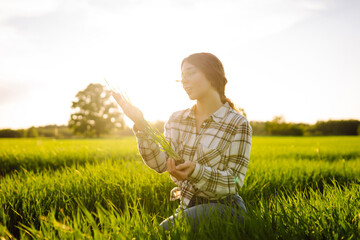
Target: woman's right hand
{"x": 130, "y": 110}
{"x": 181, "y": 171}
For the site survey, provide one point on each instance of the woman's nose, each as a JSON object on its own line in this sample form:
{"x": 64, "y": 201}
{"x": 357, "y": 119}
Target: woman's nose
{"x": 184, "y": 80}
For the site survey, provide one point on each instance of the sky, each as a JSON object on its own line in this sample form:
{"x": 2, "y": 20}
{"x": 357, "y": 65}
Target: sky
{"x": 298, "y": 59}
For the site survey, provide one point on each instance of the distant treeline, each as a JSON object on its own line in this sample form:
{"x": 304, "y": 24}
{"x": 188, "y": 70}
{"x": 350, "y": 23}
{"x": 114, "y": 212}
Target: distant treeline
{"x": 61, "y": 131}
{"x": 46, "y": 131}
{"x": 276, "y": 127}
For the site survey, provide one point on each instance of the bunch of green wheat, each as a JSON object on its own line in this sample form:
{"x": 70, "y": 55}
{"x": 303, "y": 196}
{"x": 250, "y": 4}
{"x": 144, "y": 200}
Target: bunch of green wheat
{"x": 160, "y": 139}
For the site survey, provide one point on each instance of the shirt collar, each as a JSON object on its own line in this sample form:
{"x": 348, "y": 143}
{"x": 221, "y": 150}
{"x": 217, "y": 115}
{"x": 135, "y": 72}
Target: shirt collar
{"x": 190, "y": 112}
{"x": 216, "y": 116}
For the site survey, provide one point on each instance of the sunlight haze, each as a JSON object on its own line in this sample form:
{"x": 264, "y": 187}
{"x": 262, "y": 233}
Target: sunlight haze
{"x": 299, "y": 59}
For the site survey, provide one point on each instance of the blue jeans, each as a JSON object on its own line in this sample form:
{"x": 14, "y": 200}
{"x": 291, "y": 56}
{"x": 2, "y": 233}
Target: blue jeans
{"x": 203, "y": 211}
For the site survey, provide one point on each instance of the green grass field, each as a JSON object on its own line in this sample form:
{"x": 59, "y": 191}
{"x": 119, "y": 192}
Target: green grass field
{"x": 295, "y": 188}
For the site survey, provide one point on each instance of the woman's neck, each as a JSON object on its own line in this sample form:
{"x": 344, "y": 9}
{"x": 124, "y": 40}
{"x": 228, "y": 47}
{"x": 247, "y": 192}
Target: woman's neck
{"x": 208, "y": 105}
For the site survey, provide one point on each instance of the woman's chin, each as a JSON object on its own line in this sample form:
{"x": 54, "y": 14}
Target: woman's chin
{"x": 192, "y": 97}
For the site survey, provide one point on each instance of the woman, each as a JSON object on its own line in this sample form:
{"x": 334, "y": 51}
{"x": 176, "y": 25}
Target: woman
{"x": 212, "y": 137}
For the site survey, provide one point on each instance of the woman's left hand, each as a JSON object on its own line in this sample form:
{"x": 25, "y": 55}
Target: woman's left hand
{"x": 130, "y": 110}
{"x": 181, "y": 171}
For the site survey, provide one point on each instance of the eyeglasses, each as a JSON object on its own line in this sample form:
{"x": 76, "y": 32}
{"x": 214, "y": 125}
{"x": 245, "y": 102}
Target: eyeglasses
{"x": 187, "y": 76}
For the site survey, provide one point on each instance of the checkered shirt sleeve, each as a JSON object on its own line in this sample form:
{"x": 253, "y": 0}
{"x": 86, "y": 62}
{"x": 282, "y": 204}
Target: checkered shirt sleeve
{"x": 150, "y": 151}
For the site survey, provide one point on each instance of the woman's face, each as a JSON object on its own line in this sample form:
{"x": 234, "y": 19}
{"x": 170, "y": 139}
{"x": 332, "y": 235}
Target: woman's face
{"x": 194, "y": 81}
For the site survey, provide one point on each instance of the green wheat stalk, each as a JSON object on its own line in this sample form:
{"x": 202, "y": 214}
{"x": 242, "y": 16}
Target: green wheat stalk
{"x": 160, "y": 139}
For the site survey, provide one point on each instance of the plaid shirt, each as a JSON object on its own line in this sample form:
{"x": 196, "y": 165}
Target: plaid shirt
{"x": 221, "y": 151}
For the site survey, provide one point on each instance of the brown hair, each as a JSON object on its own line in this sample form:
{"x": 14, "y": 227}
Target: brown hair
{"x": 214, "y": 72}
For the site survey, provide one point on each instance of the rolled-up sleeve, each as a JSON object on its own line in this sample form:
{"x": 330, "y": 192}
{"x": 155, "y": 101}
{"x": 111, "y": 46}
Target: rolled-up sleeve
{"x": 231, "y": 179}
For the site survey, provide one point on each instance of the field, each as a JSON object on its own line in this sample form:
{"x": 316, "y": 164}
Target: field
{"x": 295, "y": 188}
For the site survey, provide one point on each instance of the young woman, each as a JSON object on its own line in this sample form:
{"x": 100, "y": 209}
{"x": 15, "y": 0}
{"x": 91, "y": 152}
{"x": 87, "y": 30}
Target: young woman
{"x": 212, "y": 137}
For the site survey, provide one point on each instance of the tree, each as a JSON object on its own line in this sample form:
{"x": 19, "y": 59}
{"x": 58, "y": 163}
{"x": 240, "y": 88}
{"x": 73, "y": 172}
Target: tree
{"x": 337, "y": 127}
{"x": 95, "y": 114}
{"x": 9, "y": 133}
{"x": 32, "y": 133}
{"x": 258, "y": 128}
{"x": 279, "y": 127}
